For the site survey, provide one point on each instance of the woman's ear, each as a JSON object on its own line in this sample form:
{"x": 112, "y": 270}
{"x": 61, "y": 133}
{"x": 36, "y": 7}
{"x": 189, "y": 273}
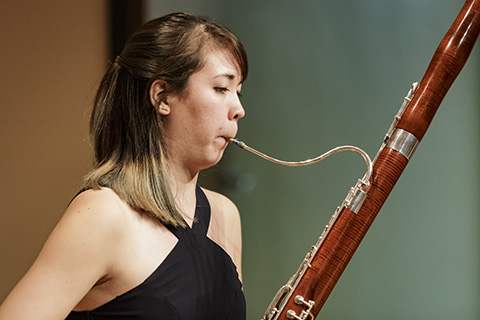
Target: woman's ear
{"x": 157, "y": 97}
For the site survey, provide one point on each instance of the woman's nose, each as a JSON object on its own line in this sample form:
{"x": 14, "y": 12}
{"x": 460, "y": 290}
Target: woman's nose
{"x": 237, "y": 112}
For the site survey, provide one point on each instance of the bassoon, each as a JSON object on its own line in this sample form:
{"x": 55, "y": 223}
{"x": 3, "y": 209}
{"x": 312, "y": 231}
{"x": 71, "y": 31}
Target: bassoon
{"x": 307, "y": 290}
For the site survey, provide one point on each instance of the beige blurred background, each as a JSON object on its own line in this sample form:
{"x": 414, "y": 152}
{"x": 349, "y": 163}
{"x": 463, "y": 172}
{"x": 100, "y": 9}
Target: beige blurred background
{"x": 52, "y": 55}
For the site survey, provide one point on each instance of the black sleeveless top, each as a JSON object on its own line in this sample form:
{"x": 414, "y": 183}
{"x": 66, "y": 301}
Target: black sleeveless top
{"x": 197, "y": 280}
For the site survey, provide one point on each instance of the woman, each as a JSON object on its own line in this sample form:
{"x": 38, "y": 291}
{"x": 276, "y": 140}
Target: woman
{"x": 143, "y": 241}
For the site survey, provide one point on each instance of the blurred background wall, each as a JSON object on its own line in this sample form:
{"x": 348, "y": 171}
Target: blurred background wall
{"x": 52, "y": 55}
{"x": 322, "y": 74}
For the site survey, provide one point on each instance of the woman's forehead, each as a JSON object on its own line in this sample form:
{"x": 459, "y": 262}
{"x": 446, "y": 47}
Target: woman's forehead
{"x": 221, "y": 63}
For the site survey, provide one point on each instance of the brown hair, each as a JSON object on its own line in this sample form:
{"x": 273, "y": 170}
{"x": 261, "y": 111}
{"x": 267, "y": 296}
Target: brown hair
{"x": 126, "y": 130}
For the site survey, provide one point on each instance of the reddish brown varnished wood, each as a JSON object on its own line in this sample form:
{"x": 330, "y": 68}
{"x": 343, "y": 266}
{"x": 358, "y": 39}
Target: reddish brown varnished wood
{"x": 388, "y": 168}
{"x": 343, "y": 240}
{"x": 313, "y": 277}
{"x": 448, "y": 60}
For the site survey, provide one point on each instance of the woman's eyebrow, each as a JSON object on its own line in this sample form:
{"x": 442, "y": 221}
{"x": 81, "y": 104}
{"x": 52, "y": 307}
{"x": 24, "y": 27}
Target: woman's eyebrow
{"x": 227, "y": 75}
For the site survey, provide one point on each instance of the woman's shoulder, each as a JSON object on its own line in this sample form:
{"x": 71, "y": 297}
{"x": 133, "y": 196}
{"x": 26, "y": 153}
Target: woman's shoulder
{"x": 103, "y": 198}
{"x": 225, "y": 226}
{"x": 223, "y": 206}
{"x": 103, "y": 213}
{"x": 79, "y": 252}
{"x": 96, "y": 216}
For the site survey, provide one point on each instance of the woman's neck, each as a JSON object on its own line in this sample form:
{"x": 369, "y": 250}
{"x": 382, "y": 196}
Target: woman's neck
{"x": 183, "y": 189}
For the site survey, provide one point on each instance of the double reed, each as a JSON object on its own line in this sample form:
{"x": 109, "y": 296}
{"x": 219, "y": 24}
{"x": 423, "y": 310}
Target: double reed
{"x": 306, "y": 292}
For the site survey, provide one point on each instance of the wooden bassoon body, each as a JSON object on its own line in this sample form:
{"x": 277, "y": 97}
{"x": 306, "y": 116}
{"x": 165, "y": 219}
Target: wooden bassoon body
{"x": 306, "y": 292}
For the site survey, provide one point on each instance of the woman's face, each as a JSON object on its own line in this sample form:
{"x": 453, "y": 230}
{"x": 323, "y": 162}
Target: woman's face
{"x": 205, "y": 115}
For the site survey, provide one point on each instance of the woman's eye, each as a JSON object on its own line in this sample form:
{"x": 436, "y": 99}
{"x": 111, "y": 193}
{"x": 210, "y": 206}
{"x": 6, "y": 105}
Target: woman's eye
{"x": 221, "y": 89}
{"x": 239, "y": 95}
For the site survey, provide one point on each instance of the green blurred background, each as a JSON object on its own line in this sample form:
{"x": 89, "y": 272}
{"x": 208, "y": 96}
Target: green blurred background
{"x": 330, "y": 73}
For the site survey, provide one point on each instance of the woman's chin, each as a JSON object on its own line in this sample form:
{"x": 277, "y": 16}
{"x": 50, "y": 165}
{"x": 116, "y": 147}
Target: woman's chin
{"x": 210, "y": 161}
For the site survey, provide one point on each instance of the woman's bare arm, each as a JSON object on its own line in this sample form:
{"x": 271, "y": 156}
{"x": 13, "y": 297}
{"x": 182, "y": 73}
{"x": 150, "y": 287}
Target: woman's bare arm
{"x": 77, "y": 254}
